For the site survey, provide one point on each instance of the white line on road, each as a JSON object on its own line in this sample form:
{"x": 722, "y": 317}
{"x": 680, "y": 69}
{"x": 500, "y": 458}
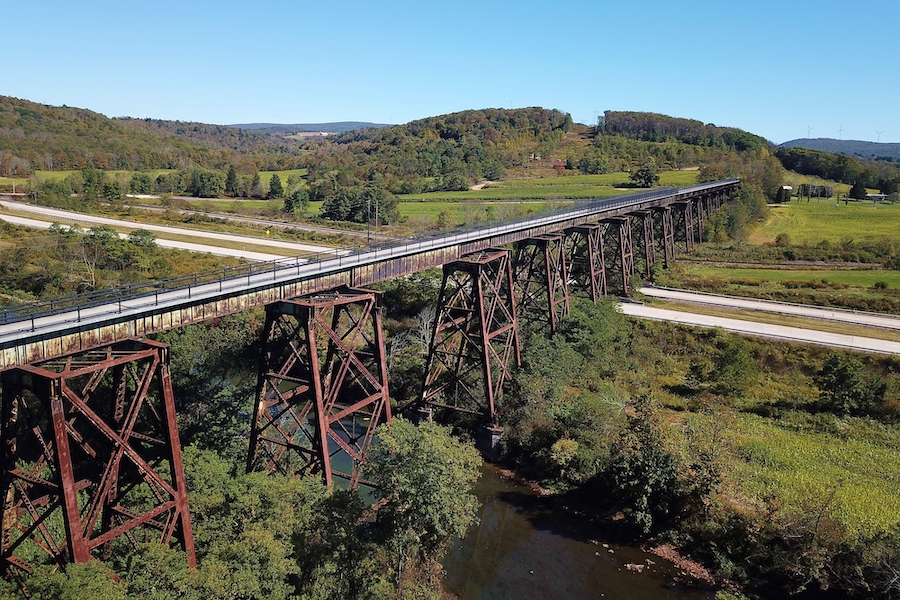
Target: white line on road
{"x": 838, "y": 340}
{"x": 816, "y": 312}
{"x": 85, "y": 218}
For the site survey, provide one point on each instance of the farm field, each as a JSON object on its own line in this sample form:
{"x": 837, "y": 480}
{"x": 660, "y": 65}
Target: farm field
{"x": 857, "y": 278}
{"x": 808, "y": 223}
{"x": 567, "y": 186}
{"x": 851, "y": 477}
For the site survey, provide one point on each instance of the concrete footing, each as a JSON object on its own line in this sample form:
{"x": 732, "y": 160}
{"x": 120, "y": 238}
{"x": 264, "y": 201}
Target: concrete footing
{"x": 488, "y": 442}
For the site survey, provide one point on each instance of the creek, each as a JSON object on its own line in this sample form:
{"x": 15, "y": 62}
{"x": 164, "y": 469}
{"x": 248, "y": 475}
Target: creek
{"x": 526, "y": 547}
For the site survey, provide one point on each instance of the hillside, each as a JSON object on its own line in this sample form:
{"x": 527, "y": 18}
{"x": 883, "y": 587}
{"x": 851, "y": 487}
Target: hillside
{"x": 446, "y": 152}
{"x": 857, "y": 148}
{"x": 37, "y": 136}
{"x": 653, "y": 127}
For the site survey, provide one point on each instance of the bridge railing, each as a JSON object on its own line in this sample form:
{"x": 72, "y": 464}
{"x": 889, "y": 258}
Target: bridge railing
{"x": 224, "y": 277}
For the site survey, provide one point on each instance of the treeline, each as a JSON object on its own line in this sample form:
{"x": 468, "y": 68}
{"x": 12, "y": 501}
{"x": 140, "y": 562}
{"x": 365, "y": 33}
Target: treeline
{"x": 840, "y": 167}
{"x": 87, "y": 186}
{"x": 39, "y": 137}
{"x": 652, "y": 127}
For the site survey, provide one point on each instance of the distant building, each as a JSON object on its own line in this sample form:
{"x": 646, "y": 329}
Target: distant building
{"x": 876, "y": 197}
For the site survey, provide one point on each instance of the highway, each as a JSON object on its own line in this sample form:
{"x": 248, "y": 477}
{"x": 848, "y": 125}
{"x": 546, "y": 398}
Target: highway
{"x": 52, "y": 214}
{"x": 270, "y": 223}
{"x": 781, "y": 332}
{"x": 785, "y": 308}
{"x": 215, "y": 250}
{"x": 43, "y": 329}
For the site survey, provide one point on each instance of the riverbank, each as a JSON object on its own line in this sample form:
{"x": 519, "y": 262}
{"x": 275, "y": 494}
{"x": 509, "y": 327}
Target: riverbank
{"x": 532, "y": 544}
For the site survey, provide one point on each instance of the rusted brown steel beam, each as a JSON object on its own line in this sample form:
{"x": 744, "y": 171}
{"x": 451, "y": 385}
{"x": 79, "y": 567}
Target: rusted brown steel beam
{"x": 664, "y": 228}
{"x": 619, "y": 252}
{"x": 642, "y": 229}
{"x": 683, "y": 226}
{"x": 541, "y": 278}
{"x": 91, "y": 440}
{"x": 475, "y": 340}
{"x": 587, "y": 267}
{"x": 698, "y": 220}
{"x": 318, "y": 403}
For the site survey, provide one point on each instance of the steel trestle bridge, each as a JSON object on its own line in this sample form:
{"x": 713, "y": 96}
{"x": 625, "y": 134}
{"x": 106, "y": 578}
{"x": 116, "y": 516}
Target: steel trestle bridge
{"x": 42, "y": 330}
{"x": 88, "y": 428}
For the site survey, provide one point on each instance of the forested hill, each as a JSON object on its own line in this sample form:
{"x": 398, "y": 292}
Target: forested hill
{"x": 443, "y": 152}
{"x": 858, "y": 148}
{"x": 652, "y": 127}
{"x": 37, "y": 136}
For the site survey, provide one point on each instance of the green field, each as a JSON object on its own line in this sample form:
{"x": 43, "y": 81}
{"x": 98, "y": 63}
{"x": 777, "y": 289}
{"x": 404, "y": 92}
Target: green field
{"x": 858, "y": 278}
{"x": 806, "y": 467}
{"x": 810, "y": 223}
{"x": 265, "y": 176}
{"x": 567, "y": 186}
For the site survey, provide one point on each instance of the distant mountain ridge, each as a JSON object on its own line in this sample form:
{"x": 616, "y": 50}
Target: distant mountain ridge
{"x": 867, "y": 150}
{"x": 337, "y": 127}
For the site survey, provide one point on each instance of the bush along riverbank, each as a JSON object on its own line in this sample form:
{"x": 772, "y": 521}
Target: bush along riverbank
{"x": 775, "y": 465}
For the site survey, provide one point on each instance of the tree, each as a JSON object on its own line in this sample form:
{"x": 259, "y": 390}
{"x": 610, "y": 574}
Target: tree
{"x": 297, "y": 202}
{"x": 256, "y": 189}
{"x": 858, "y": 191}
{"x": 426, "y": 475}
{"x": 646, "y": 175}
{"x": 782, "y": 195}
{"x": 276, "y": 190}
{"x": 141, "y": 183}
{"x": 232, "y": 182}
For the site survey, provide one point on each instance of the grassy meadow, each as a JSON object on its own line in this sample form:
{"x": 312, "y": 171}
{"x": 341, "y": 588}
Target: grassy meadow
{"x": 567, "y": 186}
{"x": 856, "y": 278}
{"x": 808, "y": 223}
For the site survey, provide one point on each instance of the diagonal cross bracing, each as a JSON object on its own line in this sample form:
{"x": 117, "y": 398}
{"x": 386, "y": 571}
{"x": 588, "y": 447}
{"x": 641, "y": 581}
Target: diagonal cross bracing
{"x": 90, "y": 441}
{"x": 587, "y": 267}
{"x": 475, "y": 341}
{"x": 541, "y": 279}
{"x": 322, "y": 386}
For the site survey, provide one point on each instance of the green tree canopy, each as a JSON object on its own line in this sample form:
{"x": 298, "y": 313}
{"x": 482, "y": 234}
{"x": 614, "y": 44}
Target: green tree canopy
{"x": 276, "y": 190}
{"x": 426, "y": 475}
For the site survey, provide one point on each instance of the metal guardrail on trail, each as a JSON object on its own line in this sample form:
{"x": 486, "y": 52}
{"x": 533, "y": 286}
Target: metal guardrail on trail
{"x": 231, "y": 277}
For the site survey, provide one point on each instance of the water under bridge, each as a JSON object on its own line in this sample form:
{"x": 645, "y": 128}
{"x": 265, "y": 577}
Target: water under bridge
{"x": 88, "y": 422}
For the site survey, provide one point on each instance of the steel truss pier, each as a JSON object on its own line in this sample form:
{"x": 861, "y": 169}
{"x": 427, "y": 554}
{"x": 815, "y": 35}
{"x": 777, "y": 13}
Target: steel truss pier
{"x": 322, "y": 387}
{"x": 91, "y": 453}
{"x": 476, "y": 339}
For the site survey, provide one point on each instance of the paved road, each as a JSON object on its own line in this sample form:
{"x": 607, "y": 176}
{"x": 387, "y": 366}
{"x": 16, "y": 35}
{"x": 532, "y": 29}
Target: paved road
{"x": 53, "y": 213}
{"x": 801, "y": 310}
{"x": 249, "y": 255}
{"x": 837, "y": 340}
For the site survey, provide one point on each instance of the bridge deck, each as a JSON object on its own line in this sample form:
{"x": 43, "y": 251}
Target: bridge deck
{"x": 28, "y": 337}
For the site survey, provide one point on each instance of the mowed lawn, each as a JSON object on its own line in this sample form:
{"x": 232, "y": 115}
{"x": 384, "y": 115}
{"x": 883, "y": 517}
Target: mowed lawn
{"x": 808, "y": 223}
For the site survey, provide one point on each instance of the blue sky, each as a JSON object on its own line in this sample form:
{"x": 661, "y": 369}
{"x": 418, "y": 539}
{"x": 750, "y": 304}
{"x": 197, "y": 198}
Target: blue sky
{"x": 775, "y": 68}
